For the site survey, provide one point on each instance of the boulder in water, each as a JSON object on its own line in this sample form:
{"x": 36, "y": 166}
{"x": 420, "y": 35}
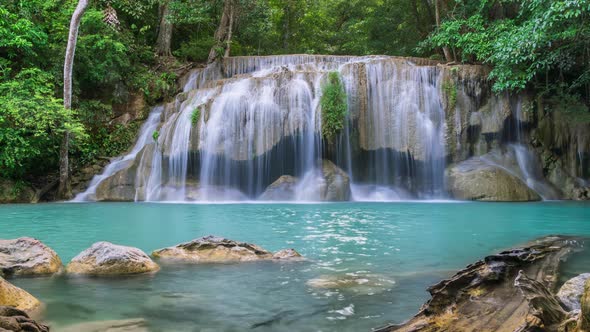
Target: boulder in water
{"x": 105, "y": 258}
{"x": 213, "y": 249}
{"x": 477, "y": 180}
{"x": 337, "y": 183}
{"x": 287, "y": 255}
{"x": 283, "y": 189}
{"x": 13, "y": 296}
{"x": 27, "y": 256}
{"x": 13, "y": 319}
{"x": 571, "y": 292}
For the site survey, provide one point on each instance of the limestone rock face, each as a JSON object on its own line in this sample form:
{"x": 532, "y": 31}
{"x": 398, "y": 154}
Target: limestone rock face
{"x": 119, "y": 187}
{"x": 337, "y": 183}
{"x": 13, "y": 319}
{"x": 283, "y": 189}
{"x": 572, "y": 290}
{"x": 213, "y": 249}
{"x": 27, "y": 256}
{"x": 476, "y": 180}
{"x": 104, "y": 258}
{"x": 13, "y": 296}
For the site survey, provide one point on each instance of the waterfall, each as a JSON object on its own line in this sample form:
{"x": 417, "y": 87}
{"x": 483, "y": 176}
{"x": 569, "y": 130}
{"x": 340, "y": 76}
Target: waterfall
{"x": 250, "y": 123}
{"x": 144, "y": 137}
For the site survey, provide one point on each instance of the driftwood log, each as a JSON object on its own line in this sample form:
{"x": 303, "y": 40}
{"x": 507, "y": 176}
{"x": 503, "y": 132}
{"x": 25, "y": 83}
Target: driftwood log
{"x": 508, "y": 292}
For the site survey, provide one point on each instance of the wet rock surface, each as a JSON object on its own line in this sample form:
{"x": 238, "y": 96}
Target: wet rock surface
{"x": 508, "y": 291}
{"x": 105, "y": 258}
{"x": 18, "y": 298}
{"x": 571, "y": 291}
{"x": 15, "y": 320}
{"x": 283, "y": 189}
{"x": 214, "y": 249}
{"x": 27, "y": 256}
{"x": 477, "y": 180}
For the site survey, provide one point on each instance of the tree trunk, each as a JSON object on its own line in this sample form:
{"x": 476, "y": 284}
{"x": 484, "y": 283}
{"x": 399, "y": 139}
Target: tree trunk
{"x": 165, "y": 32}
{"x": 64, "y": 189}
{"x": 446, "y": 51}
{"x": 223, "y": 34}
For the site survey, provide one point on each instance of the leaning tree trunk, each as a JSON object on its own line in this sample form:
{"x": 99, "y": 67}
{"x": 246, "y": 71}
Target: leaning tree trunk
{"x": 165, "y": 33}
{"x": 223, "y": 32}
{"x": 448, "y": 55}
{"x": 64, "y": 189}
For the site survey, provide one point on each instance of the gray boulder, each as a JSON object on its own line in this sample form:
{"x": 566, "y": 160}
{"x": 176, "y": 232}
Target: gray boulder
{"x": 337, "y": 183}
{"x": 213, "y": 249}
{"x": 572, "y": 290}
{"x": 283, "y": 189}
{"x": 105, "y": 258}
{"x": 474, "y": 179}
{"x": 27, "y": 256}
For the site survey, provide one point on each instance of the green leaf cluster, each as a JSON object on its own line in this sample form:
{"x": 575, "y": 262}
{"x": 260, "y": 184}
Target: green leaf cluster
{"x": 334, "y": 106}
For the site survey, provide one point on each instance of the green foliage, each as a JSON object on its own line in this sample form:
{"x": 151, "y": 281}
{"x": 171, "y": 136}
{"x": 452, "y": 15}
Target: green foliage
{"x": 527, "y": 41}
{"x": 195, "y": 115}
{"x": 334, "y": 106}
{"x": 32, "y": 123}
{"x": 156, "y": 135}
{"x": 449, "y": 87}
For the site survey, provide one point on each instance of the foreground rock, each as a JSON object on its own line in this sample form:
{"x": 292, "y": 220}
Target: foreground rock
{"x": 105, "y": 258}
{"x": 508, "y": 291}
{"x": 13, "y": 319}
{"x": 476, "y": 180}
{"x": 13, "y": 296}
{"x": 213, "y": 249}
{"x": 123, "y": 325}
{"x": 571, "y": 292}
{"x": 27, "y": 256}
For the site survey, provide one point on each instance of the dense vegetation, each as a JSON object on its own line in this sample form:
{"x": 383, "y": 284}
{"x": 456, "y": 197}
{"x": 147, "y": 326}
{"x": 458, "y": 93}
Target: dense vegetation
{"x": 130, "y": 53}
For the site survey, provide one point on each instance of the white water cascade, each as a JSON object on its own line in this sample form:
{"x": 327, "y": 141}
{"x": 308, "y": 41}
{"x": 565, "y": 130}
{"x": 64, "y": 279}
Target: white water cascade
{"x": 239, "y": 127}
{"x": 144, "y": 137}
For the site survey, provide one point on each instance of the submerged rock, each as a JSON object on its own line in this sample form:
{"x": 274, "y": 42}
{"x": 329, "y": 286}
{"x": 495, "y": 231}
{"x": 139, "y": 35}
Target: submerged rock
{"x": 13, "y": 296}
{"x": 485, "y": 296}
{"x": 287, "y": 255}
{"x": 283, "y": 189}
{"x": 214, "y": 249}
{"x": 572, "y": 290}
{"x": 27, "y": 256}
{"x": 356, "y": 282}
{"x": 13, "y": 319}
{"x": 105, "y": 258}
{"x": 477, "y": 180}
{"x": 122, "y": 325}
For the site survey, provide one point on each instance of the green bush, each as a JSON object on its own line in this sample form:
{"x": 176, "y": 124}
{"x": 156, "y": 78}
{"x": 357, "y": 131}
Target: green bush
{"x": 334, "y": 106}
{"x": 32, "y": 123}
{"x": 196, "y": 115}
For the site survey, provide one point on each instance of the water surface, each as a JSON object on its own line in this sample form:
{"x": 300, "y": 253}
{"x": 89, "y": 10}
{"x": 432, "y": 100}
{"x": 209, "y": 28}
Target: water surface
{"x": 393, "y": 251}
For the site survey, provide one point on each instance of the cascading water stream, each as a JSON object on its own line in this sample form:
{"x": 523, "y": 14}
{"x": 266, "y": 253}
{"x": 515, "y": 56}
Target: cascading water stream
{"x": 144, "y": 137}
{"x": 240, "y": 128}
